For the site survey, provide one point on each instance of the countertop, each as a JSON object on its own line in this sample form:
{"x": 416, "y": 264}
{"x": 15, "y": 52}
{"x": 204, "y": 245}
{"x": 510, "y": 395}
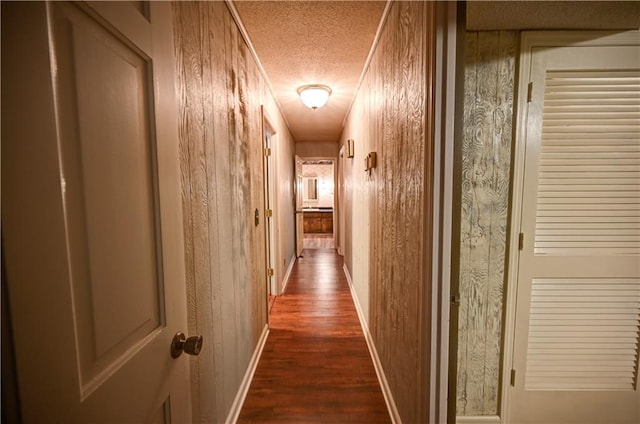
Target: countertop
{"x": 322, "y": 210}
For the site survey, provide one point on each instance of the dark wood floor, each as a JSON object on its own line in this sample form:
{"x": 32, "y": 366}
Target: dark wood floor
{"x": 315, "y": 367}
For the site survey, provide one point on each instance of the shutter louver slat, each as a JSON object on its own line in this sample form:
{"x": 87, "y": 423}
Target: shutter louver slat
{"x": 589, "y": 169}
{"x": 583, "y": 334}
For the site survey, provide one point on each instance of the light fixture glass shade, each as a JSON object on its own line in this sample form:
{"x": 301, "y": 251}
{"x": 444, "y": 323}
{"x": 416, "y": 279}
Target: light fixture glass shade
{"x": 314, "y": 96}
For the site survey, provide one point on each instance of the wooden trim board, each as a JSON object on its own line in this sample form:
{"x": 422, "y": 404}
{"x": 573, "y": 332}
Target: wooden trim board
{"x": 287, "y": 274}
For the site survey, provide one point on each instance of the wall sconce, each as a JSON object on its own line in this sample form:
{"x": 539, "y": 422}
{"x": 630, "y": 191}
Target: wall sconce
{"x": 315, "y": 95}
{"x": 370, "y": 162}
{"x": 350, "y": 151}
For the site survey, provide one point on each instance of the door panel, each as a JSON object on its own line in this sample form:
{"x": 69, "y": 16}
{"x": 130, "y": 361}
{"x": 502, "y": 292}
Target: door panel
{"x": 578, "y": 293}
{"x": 110, "y": 192}
{"x": 99, "y": 293}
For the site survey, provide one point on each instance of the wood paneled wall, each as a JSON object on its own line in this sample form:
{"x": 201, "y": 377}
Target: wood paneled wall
{"x": 486, "y": 155}
{"x": 220, "y": 92}
{"x": 388, "y": 216}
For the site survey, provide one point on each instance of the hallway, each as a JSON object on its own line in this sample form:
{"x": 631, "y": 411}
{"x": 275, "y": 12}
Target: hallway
{"x": 315, "y": 366}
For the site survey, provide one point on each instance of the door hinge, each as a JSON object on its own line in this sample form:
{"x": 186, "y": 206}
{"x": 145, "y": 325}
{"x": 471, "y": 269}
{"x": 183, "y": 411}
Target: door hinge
{"x": 513, "y": 378}
{"x": 267, "y": 151}
{"x": 270, "y": 272}
{"x": 529, "y": 92}
{"x": 521, "y": 241}
{"x": 269, "y": 213}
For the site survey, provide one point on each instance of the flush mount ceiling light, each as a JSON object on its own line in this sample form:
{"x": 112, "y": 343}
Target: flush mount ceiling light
{"x": 314, "y": 96}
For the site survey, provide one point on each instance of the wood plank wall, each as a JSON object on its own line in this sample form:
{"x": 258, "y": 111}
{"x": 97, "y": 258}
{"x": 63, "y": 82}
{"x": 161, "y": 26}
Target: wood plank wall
{"x": 387, "y": 218}
{"x": 220, "y": 92}
{"x": 486, "y": 157}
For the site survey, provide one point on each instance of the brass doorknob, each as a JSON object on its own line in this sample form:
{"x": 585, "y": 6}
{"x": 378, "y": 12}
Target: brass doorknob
{"x": 180, "y": 343}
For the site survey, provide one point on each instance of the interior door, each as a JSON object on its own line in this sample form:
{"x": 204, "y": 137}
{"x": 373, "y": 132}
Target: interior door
{"x": 91, "y": 218}
{"x": 299, "y": 208}
{"x": 269, "y": 182}
{"x": 575, "y": 357}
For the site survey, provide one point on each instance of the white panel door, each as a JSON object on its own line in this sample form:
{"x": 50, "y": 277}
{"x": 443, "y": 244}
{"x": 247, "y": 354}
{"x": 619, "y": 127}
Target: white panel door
{"x": 269, "y": 187}
{"x": 299, "y": 208}
{"x": 92, "y": 225}
{"x": 575, "y": 353}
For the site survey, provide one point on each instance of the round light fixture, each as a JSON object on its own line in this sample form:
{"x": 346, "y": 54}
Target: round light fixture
{"x": 315, "y": 95}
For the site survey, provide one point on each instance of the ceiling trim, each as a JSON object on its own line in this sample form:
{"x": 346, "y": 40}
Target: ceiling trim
{"x": 245, "y": 36}
{"x": 367, "y": 62}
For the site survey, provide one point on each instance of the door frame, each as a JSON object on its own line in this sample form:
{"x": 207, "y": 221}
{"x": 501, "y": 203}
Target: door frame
{"x": 528, "y": 42}
{"x": 269, "y": 139}
{"x": 338, "y": 232}
{"x": 297, "y": 199}
{"x": 336, "y": 205}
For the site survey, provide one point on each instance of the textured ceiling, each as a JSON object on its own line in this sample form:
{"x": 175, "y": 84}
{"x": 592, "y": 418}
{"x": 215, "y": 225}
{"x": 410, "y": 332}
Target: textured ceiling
{"x": 312, "y": 42}
{"x": 327, "y": 42}
{"x": 504, "y": 15}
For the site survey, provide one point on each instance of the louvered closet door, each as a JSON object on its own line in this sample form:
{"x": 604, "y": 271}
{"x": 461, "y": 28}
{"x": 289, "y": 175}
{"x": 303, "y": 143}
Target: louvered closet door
{"x": 578, "y": 300}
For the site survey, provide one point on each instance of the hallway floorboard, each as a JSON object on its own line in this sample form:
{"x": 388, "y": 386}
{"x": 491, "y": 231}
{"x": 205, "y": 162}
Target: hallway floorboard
{"x": 315, "y": 366}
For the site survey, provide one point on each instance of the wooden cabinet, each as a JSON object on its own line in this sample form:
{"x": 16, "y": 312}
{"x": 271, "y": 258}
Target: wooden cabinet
{"x": 318, "y": 222}
{"x": 312, "y": 222}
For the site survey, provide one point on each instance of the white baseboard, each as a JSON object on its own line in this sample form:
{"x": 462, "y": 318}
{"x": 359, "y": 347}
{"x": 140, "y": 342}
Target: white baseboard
{"x": 489, "y": 419}
{"x": 288, "y": 273}
{"x": 349, "y": 280}
{"x": 382, "y": 379}
{"x": 236, "y": 407}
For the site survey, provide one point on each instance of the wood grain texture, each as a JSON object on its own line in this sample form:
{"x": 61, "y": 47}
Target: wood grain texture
{"x": 396, "y": 262}
{"x": 388, "y": 216}
{"x": 318, "y": 222}
{"x": 220, "y": 93}
{"x": 315, "y": 366}
{"x": 486, "y": 157}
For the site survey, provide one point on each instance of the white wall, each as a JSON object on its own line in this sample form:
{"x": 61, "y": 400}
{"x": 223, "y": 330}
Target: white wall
{"x": 326, "y": 186}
